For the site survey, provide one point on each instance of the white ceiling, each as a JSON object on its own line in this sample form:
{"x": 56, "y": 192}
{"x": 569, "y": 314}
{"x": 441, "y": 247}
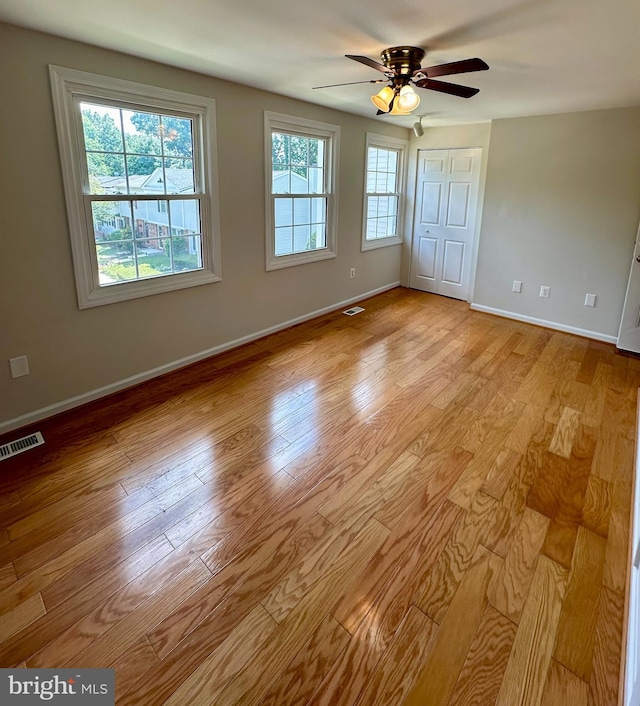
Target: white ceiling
{"x": 546, "y": 56}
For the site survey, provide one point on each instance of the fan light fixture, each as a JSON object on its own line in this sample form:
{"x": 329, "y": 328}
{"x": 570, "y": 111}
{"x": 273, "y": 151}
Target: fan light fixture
{"x": 408, "y": 99}
{"x": 389, "y": 100}
{"x": 383, "y": 99}
{"x": 402, "y": 66}
{"x": 398, "y": 111}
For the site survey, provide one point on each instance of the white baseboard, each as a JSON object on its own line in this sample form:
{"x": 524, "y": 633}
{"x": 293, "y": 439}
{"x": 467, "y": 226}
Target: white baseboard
{"x": 596, "y": 335}
{"x": 84, "y": 398}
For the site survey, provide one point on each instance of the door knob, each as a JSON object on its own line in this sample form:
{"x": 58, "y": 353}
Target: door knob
{"x": 637, "y": 256}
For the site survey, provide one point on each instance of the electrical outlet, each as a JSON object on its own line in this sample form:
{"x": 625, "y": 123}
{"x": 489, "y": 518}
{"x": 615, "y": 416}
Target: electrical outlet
{"x": 590, "y": 300}
{"x": 19, "y": 366}
{"x": 517, "y": 286}
{"x": 352, "y": 273}
{"x": 545, "y": 291}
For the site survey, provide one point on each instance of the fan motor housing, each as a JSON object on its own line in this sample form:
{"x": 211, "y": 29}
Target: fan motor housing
{"x": 403, "y": 60}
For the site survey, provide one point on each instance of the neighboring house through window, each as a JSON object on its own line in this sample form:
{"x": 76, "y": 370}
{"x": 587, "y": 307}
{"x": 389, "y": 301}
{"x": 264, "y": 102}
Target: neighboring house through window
{"x": 139, "y": 169}
{"x": 384, "y": 183}
{"x": 301, "y": 158}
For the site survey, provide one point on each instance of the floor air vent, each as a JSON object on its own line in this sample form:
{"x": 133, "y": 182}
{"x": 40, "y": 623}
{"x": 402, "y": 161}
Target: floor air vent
{"x": 19, "y": 445}
{"x": 353, "y": 311}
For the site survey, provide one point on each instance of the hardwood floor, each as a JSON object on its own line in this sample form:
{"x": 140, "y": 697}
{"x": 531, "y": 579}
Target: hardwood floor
{"x": 418, "y": 505}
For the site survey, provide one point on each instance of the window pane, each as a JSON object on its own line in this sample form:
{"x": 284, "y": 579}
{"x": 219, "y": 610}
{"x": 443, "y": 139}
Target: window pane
{"x": 318, "y": 210}
{"x": 187, "y": 253}
{"x": 115, "y": 263}
{"x": 142, "y": 133}
{"x": 302, "y": 238}
{"x": 185, "y": 215}
{"x": 177, "y": 136}
{"x": 381, "y": 183}
{"x": 300, "y": 150}
{"x": 280, "y": 148}
{"x": 372, "y": 159}
{"x": 106, "y": 173}
{"x": 283, "y": 212}
{"x": 392, "y": 226}
{"x": 111, "y": 221}
{"x": 283, "y": 241}
{"x": 318, "y": 235}
{"x": 317, "y": 152}
{"x": 154, "y": 257}
{"x": 102, "y": 128}
{"x": 382, "y": 166}
{"x": 316, "y": 180}
{"x": 301, "y": 211}
{"x": 145, "y": 175}
{"x": 299, "y": 180}
{"x": 281, "y": 180}
{"x": 179, "y": 176}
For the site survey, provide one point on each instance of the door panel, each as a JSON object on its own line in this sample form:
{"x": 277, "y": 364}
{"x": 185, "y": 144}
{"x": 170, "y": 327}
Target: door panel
{"x": 437, "y": 164}
{"x": 431, "y": 203}
{"x": 458, "y": 210}
{"x": 427, "y": 261}
{"x": 453, "y": 262}
{"x": 444, "y": 224}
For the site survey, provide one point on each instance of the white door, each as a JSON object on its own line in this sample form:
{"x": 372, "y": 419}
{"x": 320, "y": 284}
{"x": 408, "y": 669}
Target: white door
{"x": 444, "y": 222}
{"x": 629, "y": 334}
{"x": 632, "y": 661}
{"x": 632, "y": 675}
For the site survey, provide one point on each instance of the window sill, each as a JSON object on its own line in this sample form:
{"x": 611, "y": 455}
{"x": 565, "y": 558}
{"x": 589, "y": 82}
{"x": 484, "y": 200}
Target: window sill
{"x": 278, "y": 263}
{"x": 380, "y": 243}
{"x": 145, "y": 288}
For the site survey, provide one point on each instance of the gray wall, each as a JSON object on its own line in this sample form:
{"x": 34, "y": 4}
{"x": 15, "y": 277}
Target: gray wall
{"x": 562, "y": 203}
{"x": 73, "y": 352}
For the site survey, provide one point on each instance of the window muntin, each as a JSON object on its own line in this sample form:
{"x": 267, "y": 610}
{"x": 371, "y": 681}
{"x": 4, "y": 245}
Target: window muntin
{"x": 139, "y": 171}
{"x": 383, "y": 191}
{"x": 301, "y": 182}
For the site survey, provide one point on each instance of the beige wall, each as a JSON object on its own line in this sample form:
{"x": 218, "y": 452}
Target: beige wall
{"x": 562, "y": 203}
{"x": 73, "y": 352}
{"x": 435, "y": 138}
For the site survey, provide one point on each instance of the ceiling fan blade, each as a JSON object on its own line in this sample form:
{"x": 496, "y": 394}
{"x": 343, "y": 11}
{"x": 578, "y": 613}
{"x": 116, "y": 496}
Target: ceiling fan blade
{"x": 453, "y": 89}
{"x": 455, "y": 67}
{"x": 352, "y": 83}
{"x": 370, "y": 62}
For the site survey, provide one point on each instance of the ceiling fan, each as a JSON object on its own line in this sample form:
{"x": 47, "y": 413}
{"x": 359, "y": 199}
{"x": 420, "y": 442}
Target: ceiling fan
{"x": 401, "y": 67}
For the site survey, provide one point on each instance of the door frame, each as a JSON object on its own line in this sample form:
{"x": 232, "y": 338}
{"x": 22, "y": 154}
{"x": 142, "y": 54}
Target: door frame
{"x": 411, "y": 212}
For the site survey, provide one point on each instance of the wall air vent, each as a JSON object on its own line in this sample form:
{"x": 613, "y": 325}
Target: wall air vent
{"x": 13, "y": 448}
{"x": 353, "y": 311}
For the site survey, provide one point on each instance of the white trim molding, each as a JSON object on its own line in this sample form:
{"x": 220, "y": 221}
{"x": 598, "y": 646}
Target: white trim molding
{"x": 401, "y": 147}
{"x": 291, "y": 125}
{"x": 69, "y": 88}
{"x": 595, "y": 335}
{"x": 86, "y": 397}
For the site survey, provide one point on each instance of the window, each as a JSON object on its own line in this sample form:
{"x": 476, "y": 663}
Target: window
{"x": 384, "y": 182}
{"x": 301, "y": 158}
{"x": 139, "y": 166}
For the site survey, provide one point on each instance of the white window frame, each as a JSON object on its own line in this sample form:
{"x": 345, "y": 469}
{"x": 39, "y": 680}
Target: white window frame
{"x": 69, "y": 88}
{"x": 278, "y": 122}
{"x": 401, "y": 147}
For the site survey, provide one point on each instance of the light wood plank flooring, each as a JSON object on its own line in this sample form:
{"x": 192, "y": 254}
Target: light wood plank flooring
{"x": 418, "y": 505}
